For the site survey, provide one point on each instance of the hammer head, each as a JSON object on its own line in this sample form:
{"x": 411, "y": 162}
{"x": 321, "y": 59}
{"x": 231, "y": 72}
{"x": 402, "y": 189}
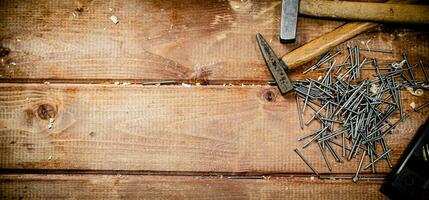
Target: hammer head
{"x": 288, "y": 20}
{"x": 276, "y": 66}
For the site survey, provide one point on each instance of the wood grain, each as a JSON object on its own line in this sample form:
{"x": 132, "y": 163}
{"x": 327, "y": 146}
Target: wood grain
{"x": 235, "y": 129}
{"x": 74, "y": 41}
{"x": 180, "y": 40}
{"x": 180, "y": 187}
{"x": 106, "y": 129}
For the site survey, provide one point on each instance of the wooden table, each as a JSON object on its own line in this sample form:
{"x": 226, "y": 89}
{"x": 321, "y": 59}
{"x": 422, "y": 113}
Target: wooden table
{"x": 60, "y": 60}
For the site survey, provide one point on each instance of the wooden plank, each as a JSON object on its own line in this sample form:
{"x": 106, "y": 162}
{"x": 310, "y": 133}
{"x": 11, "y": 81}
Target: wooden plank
{"x": 180, "y": 187}
{"x": 170, "y": 128}
{"x": 74, "y": 41}
{"x": 181, "y": 40}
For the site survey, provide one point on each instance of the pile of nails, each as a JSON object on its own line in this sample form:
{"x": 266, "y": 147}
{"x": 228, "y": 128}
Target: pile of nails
{"x": 355, "y": 113}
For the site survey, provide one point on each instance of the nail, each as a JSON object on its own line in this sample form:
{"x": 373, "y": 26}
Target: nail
{"x": 306, "y": 162}
{"x": 356, "y": 177}
{"x": 298, "y": 107}
{"x": 324, "y": 157}
{"x": 421, "y": 106}
{"x": 378, "y": 158}
{"x": 425, "y": 72}
{"x": 376, "y": 50}
{"x": 306, "y": 98}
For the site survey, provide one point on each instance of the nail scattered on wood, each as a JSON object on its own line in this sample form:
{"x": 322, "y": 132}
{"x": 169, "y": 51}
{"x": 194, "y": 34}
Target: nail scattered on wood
{"x": 356, "y": 113}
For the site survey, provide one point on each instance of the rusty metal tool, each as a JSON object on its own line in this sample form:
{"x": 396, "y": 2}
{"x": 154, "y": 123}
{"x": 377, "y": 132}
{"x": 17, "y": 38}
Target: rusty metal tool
{"x": 319, "y": 46}
{"x": 276, "y": 66}
{"x": 288, "y": 20}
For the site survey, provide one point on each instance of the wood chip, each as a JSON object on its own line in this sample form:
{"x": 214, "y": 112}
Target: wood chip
{"x": 413, "y": 105}
{"x": 186, "y": 85}
{"x": 51, "y": 123}
{"x": 114, "y": 19}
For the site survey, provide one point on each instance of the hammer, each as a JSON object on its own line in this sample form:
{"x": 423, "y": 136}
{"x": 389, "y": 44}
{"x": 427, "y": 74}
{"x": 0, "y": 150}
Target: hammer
{"x": 317, "y": 47}
{"x": 360, "y": 11}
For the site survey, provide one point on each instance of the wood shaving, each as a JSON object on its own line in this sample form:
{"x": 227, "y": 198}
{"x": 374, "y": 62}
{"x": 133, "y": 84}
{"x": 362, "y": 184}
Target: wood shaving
{"x": 186, "y": 85}
{"x": 398, "y": 65}
{"x": 374, "y": 88}
{"x": 114, "y": 19}
{"x": 417, "y": 92}
{"x": 51, "y": 123}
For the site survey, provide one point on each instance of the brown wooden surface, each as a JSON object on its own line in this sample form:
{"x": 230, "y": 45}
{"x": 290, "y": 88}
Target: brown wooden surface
{"x": 181, "y": 40}
{"x": 153, "y": 41}
{"x": 167, "y": 130}
{"x": 180, "y": 187}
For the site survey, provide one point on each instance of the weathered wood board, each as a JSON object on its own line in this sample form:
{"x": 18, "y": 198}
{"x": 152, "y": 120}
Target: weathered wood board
{"x": 180, "y": 40}
{"x": 212, "y": 42}
{"x": 180, "y": 187}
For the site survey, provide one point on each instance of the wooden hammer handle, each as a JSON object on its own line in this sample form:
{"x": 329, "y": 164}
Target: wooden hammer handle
{"x": 364, "y": 11}
{"x": 324, "y": 43}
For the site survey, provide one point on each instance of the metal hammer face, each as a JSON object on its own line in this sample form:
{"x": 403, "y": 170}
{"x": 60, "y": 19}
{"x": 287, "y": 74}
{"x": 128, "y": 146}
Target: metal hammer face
{"x": 288, "y": 20}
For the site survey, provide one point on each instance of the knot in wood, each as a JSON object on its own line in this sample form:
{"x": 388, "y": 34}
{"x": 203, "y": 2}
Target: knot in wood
{"x": 46, "y": 111}
{"x": 269, "y": 96}
{"x": 4, "y": 51}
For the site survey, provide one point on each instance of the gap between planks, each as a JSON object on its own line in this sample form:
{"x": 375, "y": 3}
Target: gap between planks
{"x": 179, "y": 187}
{"x": 232, "y": 175}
